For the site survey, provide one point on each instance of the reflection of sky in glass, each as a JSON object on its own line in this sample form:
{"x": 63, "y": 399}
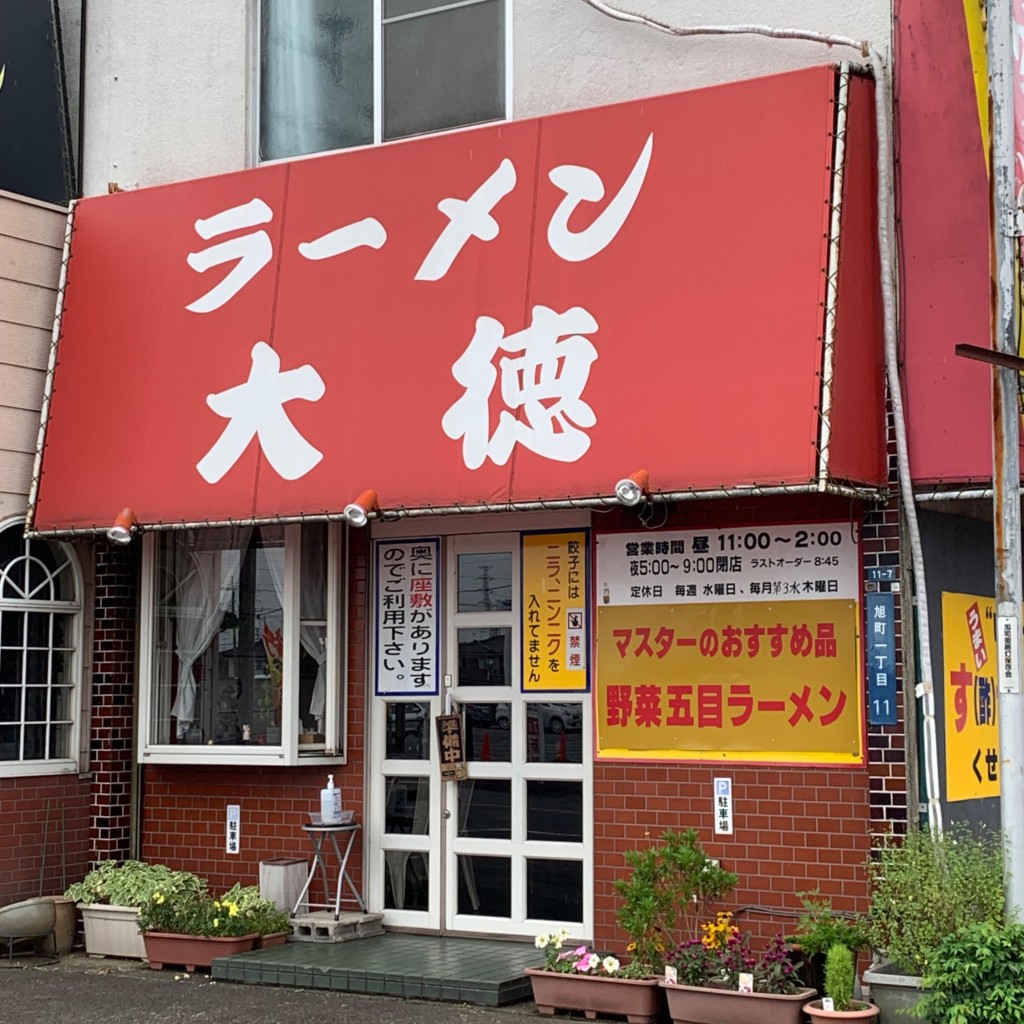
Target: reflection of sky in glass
{"x": 262, "y": 602}
{"x": 266, "y": 606}
{"x": 229, "y": 564}
{"x": 485, "y": 582}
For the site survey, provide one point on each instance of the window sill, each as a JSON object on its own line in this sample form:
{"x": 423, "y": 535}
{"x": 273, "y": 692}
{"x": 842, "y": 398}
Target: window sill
{"x": 234, "y": 755}
{"x": 16, "y": 769}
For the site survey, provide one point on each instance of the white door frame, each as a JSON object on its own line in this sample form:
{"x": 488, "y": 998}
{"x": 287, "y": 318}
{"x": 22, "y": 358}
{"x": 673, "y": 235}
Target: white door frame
{"x": 441, "y": 844}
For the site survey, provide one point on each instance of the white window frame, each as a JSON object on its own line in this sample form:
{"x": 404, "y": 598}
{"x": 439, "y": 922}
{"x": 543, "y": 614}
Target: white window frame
{"x": 378, "y": 80}
{"x": 336, "y": 697}
{"x": 78, "y": 697}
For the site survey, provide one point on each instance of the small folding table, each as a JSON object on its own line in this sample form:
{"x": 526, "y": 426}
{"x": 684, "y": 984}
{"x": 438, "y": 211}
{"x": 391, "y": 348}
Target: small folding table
{"x": 320, "y": 836}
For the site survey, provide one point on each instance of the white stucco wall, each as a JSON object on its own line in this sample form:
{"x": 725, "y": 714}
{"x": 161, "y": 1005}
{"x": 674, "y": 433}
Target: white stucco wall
{"x": 168, "y": 91}
{"x": 568, "y": 55}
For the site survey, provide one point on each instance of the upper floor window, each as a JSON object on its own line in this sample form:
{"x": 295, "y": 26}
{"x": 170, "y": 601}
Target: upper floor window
{"x": 243, "y": 649}
{"x": 40, "y": 629}
{"x": 340, "y": 73}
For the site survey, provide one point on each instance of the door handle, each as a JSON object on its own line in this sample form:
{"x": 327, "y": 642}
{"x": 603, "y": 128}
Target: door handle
{"x": 447, "y": 814}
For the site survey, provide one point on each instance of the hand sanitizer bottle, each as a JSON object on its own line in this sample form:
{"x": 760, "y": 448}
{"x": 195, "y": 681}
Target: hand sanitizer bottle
{"x": 330, "y": 803}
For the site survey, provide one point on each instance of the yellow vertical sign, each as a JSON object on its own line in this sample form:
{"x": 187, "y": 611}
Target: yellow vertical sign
{"x": 970, "y": 697}
{"x": 554, "y": 629}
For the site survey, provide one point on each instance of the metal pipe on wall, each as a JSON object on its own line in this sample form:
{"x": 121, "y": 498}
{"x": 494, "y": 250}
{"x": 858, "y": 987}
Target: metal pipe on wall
{"x": 1006, "y": 455}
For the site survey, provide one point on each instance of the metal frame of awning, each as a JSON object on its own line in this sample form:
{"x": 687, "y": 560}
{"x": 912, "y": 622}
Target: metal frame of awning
{"x": 601, "y": 502}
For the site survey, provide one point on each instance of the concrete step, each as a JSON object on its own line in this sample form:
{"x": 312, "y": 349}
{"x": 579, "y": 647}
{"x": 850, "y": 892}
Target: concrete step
{"x": 321, "y": 927}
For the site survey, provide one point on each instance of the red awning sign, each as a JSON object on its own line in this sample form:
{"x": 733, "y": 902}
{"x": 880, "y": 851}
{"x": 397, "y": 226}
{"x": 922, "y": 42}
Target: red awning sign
{"x": 516, "y": 312}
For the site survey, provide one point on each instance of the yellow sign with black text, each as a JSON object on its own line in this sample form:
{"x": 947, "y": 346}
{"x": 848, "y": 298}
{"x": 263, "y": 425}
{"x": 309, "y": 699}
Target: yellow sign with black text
{"x": 970, "y": 696}
{"x": 555, "y": 603}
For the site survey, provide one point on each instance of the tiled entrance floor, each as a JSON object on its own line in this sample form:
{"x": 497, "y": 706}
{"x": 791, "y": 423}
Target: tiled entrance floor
{"x": 481, "y": 971}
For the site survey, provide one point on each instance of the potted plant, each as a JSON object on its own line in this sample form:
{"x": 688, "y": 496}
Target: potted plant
{"x": 818, "y": 930}
{"x": 192, "y": 929}
{"x": 974, "y": 977}
{"x": 670, "y": 888}
{"x": 574, "y": 977}
{"x": 840, "y": 1005}
{"x": 671, "y": 882}
{"x": 110, "y": 896}
{"x": 721, "y": 981}
{"x": 923, "y": 887}
{"x": 271, "y": 924}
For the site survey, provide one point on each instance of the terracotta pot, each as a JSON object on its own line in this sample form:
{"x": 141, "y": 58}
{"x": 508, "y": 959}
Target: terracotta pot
{"x": 273, "y": 939}
{"x": 857, "y": 1010}
{"x": 692, "y": 1005}
{"x": 639, "y": 1000}
{"x": 191, "y": 951}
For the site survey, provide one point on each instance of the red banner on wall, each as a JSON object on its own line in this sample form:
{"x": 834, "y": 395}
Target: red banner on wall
{"x": 519, "y": 311}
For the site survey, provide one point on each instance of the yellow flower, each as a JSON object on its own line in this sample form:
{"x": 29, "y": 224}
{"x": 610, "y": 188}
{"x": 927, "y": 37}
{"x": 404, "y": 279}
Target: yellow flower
{"x": 158, "y": 897}
{"x": 216, "y": 922}
{"x": 216, "y": 904}
{"x": 631, "y": 948}
{"x": 232, "y": 909}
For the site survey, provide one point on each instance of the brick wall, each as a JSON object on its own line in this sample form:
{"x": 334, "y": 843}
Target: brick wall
{"x": 795, "y": 829}
{"x": 887, "y": 743}
{"x": 57, "y": 826}
{"x": 113, "y": 700}
{"x": 184, "y": 807}
{"x": 44, "y": 821}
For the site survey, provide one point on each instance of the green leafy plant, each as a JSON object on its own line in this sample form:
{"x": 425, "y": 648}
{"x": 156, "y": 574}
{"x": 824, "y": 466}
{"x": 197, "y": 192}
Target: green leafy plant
{"x": 131, "y": 883}
{"x": 261, "y": 915}
{"x": 926, "y": 886}
{"x": 670, "y": 887}
{"x": 839, "y": 973}
{"x": 190, "y": 913}
{"x": 976, "y": 976}
{"x": 820, "y": 928}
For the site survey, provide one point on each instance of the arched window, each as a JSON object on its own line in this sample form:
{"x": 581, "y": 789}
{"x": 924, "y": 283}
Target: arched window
{"x": 40, "y": 640}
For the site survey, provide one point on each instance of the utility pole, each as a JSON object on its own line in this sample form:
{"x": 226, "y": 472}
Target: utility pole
{"x": 1006, "y": 457}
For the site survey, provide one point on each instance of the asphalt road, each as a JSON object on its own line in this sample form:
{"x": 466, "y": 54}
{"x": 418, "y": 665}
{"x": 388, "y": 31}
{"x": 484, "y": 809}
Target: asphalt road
{"x": 84, "y": 990}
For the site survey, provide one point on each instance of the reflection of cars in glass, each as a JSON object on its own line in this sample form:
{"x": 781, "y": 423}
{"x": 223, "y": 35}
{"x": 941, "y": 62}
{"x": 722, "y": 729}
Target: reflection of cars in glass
{"x": 412, "y": 715}
{"x": 555, "y": 718}
{"x": 481, "y": 714}
{"x": 559, "y": 717}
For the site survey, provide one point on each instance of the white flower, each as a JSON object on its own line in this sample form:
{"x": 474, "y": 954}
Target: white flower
{"x": 559, "y": 937}
{"x": 610, "y": 964}
{"x": 541, "y": 941}
{"x": 593, "y": 961}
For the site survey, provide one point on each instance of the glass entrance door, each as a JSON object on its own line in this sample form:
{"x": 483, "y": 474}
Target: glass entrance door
{"x": 505, "y": 851}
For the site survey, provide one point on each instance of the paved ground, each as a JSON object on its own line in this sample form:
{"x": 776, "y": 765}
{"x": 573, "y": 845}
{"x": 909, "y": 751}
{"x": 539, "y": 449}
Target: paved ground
{"x": 85, "y": 990}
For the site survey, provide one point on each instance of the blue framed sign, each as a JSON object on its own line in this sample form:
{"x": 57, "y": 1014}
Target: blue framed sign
{"x": 408, "y": 578}
{"x": 880, "y": 610}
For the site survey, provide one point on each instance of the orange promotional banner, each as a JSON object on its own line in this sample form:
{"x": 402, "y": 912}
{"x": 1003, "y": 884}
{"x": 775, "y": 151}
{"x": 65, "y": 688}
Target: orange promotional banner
{"x": 555, "y": 603}
{"x": 728, "y": 645}
{"x": 970, "y": 696}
